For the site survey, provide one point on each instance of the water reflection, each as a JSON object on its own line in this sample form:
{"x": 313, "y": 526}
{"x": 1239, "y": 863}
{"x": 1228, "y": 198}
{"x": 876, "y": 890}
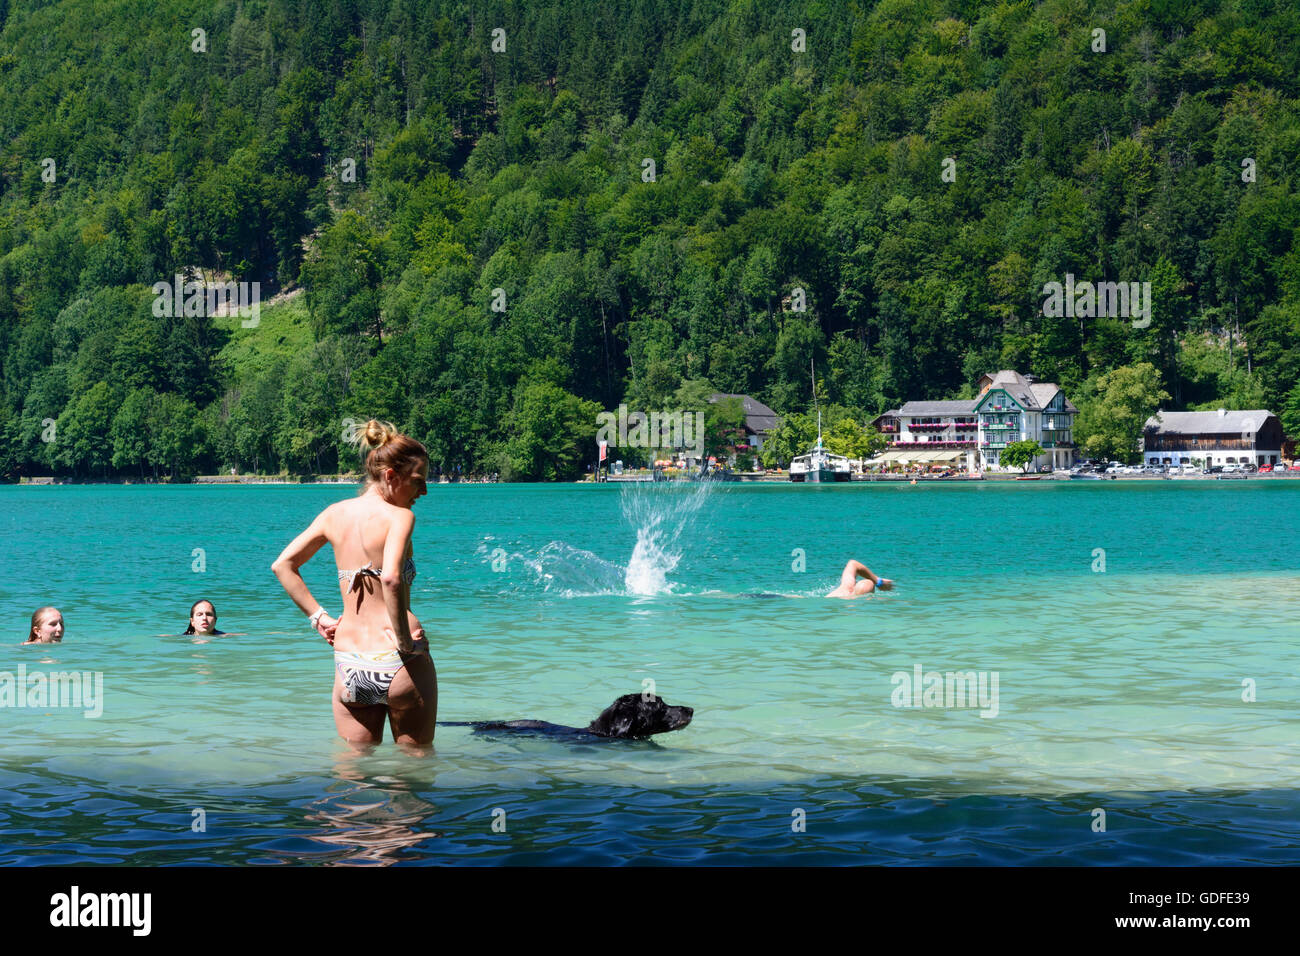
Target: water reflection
{"x": 370, "y": 820}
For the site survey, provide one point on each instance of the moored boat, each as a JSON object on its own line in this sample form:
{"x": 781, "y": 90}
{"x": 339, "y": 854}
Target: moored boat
{"x": 820, "y": 466}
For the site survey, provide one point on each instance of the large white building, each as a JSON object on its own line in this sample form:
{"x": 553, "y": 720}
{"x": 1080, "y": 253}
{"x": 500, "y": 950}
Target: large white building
{"x": 972, "y": 433}
{"x": 1222, "y": 437}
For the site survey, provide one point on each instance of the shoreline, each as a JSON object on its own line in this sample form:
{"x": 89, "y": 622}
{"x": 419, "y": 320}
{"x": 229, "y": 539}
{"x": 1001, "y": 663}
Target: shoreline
{"x": 773, "y": 479}
{"x": 344, "y": 479}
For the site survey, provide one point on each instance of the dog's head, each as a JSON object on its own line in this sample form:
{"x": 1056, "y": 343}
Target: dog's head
{"x": 634, "y": 718}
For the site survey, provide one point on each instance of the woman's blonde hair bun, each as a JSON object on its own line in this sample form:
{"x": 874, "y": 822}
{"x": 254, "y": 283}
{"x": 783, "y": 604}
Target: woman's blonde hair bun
{"x": 386, "y": 447}
{"x": 376, "y": 434}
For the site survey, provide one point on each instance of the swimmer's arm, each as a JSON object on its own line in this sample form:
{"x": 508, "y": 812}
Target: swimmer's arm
{"x": 293, "y": 557}
{"x": 855, "y": 569}
{"x": 395, "y": 599}
{"x": 852, "y": 571}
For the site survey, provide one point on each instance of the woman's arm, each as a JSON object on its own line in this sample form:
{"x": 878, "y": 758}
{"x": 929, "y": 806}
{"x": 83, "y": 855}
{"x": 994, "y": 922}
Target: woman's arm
{"x": 293, "y": 557}
{"x": 395, "y": 593}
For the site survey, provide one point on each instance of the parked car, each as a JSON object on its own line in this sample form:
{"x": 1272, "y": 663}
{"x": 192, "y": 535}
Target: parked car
{"x": 1249, "y": 467}
{"x": 1265, "y": 469}
{"x": 1229, "y": 469}
{"x": 1295, "y": 466}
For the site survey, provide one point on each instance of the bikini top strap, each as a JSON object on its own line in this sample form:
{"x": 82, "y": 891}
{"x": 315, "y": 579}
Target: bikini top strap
{"x": 365, "y": 571}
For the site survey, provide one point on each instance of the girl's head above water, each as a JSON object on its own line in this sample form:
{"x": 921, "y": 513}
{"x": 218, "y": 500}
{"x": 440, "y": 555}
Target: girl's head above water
{"x": 394, "y": 460}
{"x": 47, "y": 626}
{"x": 203, "y": 618}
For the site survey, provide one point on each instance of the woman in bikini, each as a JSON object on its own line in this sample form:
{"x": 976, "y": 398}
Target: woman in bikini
{"x": 382, "y": 667}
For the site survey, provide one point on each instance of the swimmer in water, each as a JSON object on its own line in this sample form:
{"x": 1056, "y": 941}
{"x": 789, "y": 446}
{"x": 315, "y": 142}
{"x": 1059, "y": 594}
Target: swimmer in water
{"x": 47, "y": 627}
{"x": 851, "y": 587}
{"x": 203, "y": 619}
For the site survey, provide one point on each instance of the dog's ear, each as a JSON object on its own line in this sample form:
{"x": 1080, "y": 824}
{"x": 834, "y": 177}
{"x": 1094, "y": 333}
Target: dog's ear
{"x": 621, "y": 726}
{"x": 612, "y": 722}
{"x": 650, "y": 717}
{"x": 618, "y": 719}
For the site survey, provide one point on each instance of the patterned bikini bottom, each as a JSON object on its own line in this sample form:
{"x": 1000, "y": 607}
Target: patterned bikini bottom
{"x": 367, "y": 675}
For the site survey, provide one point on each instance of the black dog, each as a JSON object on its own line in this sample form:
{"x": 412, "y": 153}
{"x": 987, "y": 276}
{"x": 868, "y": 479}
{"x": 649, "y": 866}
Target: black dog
{"x": 629, "y": 718}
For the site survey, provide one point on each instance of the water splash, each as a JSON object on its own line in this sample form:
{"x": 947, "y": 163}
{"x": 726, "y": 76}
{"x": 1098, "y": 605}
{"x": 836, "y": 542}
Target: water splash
{"x": 573, "y": 572}
{"x": 662, "y": 513}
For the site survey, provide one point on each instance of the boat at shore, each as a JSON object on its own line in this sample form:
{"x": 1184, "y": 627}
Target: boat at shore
{"x": 820, "y": 466}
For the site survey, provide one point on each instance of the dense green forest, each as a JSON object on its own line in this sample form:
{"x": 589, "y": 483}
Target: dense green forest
{"x": 486, "y": 222}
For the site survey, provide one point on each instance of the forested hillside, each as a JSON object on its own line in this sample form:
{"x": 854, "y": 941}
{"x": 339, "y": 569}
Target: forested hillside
{"x": 488, "y": 246}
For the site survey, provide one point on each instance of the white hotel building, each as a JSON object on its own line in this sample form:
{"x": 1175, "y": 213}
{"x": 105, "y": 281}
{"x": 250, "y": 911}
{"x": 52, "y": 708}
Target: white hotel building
{"x": 971, "y": 433}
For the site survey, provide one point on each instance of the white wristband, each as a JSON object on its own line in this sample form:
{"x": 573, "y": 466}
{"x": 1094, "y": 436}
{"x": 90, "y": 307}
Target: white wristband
{"x": 315, "y": 617}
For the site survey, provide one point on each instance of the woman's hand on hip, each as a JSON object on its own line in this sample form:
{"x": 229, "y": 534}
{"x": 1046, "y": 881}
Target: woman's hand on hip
{"x": 393, "y": 636}
{"x": 326, "y": 627}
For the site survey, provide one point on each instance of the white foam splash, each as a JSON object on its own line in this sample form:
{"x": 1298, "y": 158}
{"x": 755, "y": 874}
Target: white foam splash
{"x": 661, "y": 513}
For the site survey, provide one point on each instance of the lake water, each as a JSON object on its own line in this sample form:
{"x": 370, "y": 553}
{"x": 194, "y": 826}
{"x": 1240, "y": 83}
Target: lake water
{"x": 1125, "y": 623}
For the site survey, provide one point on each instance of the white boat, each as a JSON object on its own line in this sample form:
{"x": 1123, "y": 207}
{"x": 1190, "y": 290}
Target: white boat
{"x": 820, "y": 465}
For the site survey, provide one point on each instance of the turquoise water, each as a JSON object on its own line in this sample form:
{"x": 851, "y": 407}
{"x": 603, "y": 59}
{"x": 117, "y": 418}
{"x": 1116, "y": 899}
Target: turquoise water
{"x": 1119, "y": 690}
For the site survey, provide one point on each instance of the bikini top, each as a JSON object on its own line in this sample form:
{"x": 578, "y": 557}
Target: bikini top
{"x": 366, "y": 571}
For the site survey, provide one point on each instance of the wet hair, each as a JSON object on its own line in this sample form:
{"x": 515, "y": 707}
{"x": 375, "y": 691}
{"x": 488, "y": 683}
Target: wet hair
{"x": 190, "y": 629}
{"x": 36, "y": 617}
{"x": 389, "y": 448}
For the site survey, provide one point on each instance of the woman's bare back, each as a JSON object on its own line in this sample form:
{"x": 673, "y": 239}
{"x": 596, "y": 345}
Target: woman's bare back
{"x": 358, "y": 530}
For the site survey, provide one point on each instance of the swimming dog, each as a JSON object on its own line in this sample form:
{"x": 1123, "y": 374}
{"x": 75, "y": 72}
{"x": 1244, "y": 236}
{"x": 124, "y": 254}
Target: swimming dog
{"x": 631, "y": 717}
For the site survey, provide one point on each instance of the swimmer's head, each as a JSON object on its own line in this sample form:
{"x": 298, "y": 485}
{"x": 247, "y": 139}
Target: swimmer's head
{"x": 203, "y": 617}
{"x": 47, "y": 626}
